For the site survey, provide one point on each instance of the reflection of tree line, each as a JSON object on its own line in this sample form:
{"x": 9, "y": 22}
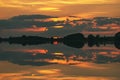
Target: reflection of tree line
{"x": 74, "y": 40}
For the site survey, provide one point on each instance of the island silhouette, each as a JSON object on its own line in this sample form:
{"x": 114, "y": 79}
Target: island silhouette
{"x": 76, "y": 40}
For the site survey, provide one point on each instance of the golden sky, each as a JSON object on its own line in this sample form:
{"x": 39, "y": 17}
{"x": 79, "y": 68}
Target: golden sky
{"x": 60, "y": 7}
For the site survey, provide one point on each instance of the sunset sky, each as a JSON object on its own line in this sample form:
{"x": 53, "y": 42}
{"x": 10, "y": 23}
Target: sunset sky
{"x": 83, "y": 8}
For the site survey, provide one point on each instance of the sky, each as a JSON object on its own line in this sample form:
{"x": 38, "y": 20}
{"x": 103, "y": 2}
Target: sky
{"x": 82, "y": 8}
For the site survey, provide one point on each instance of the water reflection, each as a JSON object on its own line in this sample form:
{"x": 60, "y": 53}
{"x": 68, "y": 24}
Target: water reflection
{"x": 44, "y": 56}
{"x": 61, "y": 72}
{"x": 71, "y": 58}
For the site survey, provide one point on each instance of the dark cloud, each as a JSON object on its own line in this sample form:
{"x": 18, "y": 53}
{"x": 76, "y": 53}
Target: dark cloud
{"x": 23, "y": 17}
{"x": 24, "y": 21}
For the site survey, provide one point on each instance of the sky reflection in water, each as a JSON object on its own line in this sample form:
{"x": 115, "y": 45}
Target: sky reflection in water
{"x": 55, "y": 63}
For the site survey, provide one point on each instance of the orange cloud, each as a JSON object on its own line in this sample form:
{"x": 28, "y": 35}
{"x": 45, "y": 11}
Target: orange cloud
{"x": 58, "y": 7}
{"x": 53, "y": 74}
{"x": 33, "y": 29}
{"x": 90, "y": 14}
{"x": 89, "y": 65}
{"x": 33, "y": 51}
{"x": 41, "y": 29}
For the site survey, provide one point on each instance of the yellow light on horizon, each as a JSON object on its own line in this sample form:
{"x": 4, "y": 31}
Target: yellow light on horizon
{"x": 49, "y": 9}
{"x": 58, "y": 27}
{"x": 58, "y": 53}
{"x": 49, "y": 71}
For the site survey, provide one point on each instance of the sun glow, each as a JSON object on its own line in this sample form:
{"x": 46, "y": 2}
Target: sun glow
{"x": 49, "y": 9}
{"x": 58, "y": 27}
{"x": 47, "y": 72}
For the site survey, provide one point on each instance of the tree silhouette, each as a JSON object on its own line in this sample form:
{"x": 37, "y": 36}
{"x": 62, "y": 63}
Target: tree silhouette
{"x": 0, "y": 39}
{"x": 75, "y": 40}
{"x": 117, "y": 40}
{"x": 91, "y": 40}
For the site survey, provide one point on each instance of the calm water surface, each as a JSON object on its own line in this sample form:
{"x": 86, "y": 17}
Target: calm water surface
{"x": 58, "y": 62}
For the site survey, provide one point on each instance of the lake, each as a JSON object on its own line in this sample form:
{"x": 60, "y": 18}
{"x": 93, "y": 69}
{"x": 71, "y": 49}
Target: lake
{"x": 58, "y": 62}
